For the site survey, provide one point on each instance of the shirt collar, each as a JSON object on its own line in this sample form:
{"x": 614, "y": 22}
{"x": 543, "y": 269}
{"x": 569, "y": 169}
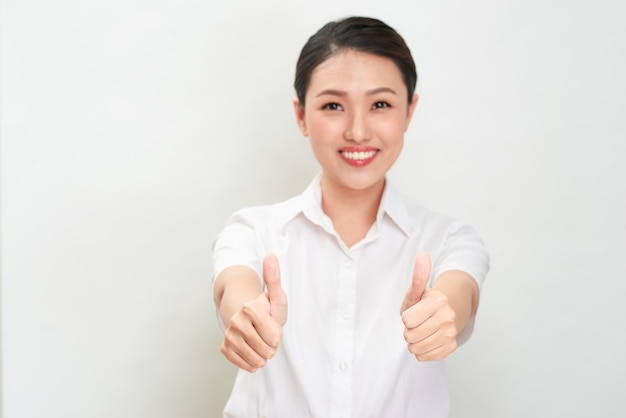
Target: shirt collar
{"x": 309, "y": 203}
{"x": 392, "y": 204}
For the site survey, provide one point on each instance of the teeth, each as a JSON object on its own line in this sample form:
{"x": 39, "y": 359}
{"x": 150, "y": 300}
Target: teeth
{"x": 361, "y": 155}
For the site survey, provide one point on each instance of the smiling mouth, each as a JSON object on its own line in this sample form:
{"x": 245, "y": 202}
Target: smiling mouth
{"x": 358, "y": 155}
{"x": 359, "y": 158}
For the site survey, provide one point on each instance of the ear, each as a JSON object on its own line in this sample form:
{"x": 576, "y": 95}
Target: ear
{"x": 410, "y": 111}
{"x": 299, "y": 111}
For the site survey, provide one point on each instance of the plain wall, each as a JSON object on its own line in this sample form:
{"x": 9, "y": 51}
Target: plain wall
{"x": 132, "y": 129}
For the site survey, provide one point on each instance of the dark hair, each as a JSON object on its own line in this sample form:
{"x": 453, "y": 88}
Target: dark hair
{"x": 361, "y": 34}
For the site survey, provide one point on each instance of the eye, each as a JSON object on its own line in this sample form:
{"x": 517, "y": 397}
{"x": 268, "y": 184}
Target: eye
{"x": 380, "y": 105}
{"x": 332, "y": 106}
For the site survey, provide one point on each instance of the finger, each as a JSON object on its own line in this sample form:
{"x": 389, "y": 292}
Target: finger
{"x": 417, "y": 314}
{"x": 237, "y": 360}
{"x": 247, "y": 344}
{"x": 275, "y": 293}
{"x": 434, "y": 347}
{"x": 420, "y": 332}
{"x": 271, "y": 277}
{"x": 439, "y": 353}
{"x": 259, "y": 327}
{"x": 263, "y": 345}
{"x": 236, "y": 349}
{"x": 269, "y": 333}
{"x": 421, "y": 275}
{"x": 433, "y": 309}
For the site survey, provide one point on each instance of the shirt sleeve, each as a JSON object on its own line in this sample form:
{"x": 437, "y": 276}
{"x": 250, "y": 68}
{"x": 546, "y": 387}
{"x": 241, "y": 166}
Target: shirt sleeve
{"x": 462, "y": 249}
{"x": 238, "y": 244}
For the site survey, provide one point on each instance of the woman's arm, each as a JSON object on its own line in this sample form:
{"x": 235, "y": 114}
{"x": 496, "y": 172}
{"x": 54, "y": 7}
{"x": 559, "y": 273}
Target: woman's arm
{"x": 462, "y": 293}
{"x": 233, "y": 288}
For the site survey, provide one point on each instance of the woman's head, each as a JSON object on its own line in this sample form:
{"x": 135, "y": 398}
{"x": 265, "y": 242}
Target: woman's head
{"x": 360, "y": 34}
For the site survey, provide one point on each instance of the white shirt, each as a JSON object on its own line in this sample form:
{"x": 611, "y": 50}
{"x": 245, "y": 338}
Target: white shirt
{"x": 343, "y": 353}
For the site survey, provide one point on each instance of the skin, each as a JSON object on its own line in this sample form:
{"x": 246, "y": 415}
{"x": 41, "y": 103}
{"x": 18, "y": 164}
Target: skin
{"x": 356, "y": 102}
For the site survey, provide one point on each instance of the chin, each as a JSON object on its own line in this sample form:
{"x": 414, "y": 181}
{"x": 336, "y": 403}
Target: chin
{"x": 362, "y": 184}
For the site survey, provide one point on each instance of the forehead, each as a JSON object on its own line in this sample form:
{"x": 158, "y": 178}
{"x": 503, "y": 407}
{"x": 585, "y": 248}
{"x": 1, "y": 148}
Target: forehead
{"x": 354, "y": 70}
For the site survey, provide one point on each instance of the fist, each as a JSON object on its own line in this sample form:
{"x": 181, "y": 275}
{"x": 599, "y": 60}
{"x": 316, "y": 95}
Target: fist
{"x": 256, "y": 330}
{"x": 429, "y": 320}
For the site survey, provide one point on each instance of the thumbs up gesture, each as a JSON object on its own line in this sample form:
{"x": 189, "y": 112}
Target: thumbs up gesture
{"x": 428, "y": 317}
{"x": 275, "y": 295}
{"x": 255, "y": 331}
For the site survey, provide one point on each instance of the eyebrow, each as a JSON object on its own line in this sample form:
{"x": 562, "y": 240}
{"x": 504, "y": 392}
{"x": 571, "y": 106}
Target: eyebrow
{"x": 341, "y": 93}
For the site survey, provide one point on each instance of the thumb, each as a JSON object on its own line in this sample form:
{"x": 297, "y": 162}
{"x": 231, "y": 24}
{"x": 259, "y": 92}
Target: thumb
{"x": 421, "y": 275}
{"x": 275, "y": 294}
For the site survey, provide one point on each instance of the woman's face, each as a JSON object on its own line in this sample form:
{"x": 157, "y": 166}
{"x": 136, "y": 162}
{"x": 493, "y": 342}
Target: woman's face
{"x": 355, "y": 115}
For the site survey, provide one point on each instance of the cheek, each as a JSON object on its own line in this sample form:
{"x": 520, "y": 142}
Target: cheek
{"x": 393, "y": 129}
{"x": 323, "y": 128}
{"x": 318, "y": 135}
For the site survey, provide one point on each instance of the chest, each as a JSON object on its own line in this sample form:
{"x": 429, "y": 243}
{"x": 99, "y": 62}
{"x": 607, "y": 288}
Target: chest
{"x": 328, "y": 285}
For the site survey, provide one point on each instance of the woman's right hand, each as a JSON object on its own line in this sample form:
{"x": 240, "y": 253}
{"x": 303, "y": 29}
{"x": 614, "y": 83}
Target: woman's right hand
{"x": 254, "y": 332}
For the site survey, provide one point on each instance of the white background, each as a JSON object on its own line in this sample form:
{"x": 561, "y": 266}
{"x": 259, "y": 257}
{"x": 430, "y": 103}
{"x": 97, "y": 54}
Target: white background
{"x": 132, "y": 128}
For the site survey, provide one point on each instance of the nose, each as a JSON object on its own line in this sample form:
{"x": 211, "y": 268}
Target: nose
{"x": 357, "y": 129}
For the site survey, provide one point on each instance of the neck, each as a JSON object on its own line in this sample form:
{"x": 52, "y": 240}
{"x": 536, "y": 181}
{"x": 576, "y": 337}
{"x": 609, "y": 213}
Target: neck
{"x": 352, "y": 211}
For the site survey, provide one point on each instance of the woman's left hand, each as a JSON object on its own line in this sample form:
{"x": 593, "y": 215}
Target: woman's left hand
{"x": 429, "y": 319}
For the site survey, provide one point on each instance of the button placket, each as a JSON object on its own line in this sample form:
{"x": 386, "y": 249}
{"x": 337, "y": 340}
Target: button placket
{"x": 342, "y": 376}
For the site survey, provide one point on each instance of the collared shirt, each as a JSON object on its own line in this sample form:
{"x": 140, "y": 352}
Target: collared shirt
{"x": 343, "y": 353}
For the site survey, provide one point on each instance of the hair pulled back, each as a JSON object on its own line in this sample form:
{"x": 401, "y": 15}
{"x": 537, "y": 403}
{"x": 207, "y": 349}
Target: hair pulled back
{"x": 361, "y": 34}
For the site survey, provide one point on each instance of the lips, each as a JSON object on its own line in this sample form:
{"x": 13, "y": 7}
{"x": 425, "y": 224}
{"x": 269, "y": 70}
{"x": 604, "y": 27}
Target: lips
{"x": 358, "y": 156}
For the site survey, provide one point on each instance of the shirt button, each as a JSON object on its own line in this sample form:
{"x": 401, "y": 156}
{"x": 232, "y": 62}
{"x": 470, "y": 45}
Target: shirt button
{"x": 343, "y": 365}
{"x": 348, "y": 262}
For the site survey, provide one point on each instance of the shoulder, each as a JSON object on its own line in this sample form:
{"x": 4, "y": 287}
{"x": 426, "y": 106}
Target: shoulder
{"x": 436, "y": 229}
{"x": 250, "y": 215}
{"x": 453, "y": 243}
{"x": 248, "y": 235}
{"x": 442, "y": 227}
{"x": 413, "y": 218}
{"x": 272, "y": 216}
{"x": 423, "y": 219}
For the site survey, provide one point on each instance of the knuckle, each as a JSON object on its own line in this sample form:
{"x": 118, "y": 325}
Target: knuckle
{"x": 451, "y": 314}
{"x": 451, "y": 332}
{"x": 229, "y": 336}
{"x": 236, "y": 328}
{"x": 233, "y": 359}
{"x": 236, "y": 325}
{"x": 274, "y": 339}
{"x": 248, "y": 310}
{"x": 269, "y": 353}
{"x": 227, "y": 343}
{"x": 274, "y": 342}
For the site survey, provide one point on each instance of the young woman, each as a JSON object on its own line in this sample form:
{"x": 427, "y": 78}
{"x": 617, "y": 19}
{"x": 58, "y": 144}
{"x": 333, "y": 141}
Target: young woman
{"x": 348, "y": 261}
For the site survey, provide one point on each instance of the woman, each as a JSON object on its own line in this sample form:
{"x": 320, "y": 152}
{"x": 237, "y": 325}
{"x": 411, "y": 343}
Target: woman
{"x": 348, "y": 255}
